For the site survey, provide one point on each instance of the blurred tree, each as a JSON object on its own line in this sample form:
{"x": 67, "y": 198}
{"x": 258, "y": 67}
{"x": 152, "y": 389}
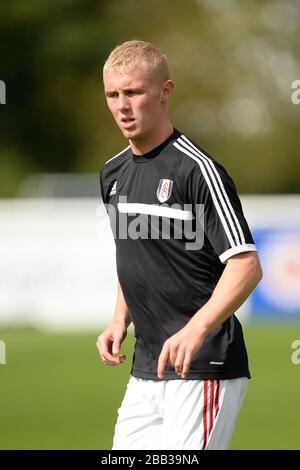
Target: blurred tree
{"x": 49, "y": 49}
{"x": 233, "y": 63}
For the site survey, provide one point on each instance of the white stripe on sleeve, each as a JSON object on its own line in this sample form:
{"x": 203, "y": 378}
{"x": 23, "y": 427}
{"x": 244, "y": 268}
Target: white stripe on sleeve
{"x": 211, "y": 188}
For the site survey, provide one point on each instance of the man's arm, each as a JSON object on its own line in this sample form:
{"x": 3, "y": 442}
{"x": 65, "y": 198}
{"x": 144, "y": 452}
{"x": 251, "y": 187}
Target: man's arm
{"x": 240, "y": 276}
{"x": 109, "y": 342}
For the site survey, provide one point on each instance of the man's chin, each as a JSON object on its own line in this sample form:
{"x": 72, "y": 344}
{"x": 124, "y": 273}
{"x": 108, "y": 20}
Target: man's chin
{"x": 130, "y": 133}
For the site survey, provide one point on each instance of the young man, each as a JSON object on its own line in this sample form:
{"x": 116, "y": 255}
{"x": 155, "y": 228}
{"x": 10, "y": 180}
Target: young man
{"x": 190, "y": 366}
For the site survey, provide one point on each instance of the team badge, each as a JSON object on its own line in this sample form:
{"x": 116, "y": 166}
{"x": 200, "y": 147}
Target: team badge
{"x": 164, "y": 190}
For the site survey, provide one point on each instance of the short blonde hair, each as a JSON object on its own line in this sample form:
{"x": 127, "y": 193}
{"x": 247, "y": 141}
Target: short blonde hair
{"x": 135, "y": 52}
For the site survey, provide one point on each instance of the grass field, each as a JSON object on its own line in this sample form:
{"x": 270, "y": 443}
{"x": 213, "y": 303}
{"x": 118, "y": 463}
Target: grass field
{"x": 56, "y": 394}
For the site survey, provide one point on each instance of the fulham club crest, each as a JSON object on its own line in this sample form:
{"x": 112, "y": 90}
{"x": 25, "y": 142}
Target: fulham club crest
{"x": 164, "y": 190}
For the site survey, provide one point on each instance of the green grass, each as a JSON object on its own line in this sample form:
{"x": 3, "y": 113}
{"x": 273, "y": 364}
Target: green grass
{"x": 56, "y": 394}
{"x": 270, "y": 415}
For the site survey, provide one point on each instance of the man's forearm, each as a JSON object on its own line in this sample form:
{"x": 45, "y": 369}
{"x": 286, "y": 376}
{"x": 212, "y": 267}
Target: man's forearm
{"x": 121, "y": 310}
{"x": 239, "y": 278}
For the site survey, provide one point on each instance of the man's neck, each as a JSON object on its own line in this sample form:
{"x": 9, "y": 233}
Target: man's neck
{"x": 140, "y": 147}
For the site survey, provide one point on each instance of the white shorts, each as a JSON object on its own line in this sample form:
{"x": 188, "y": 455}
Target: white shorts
{"x": 178, "y": 414}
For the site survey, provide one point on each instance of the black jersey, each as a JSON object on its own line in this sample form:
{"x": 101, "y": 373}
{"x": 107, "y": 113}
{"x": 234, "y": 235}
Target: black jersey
{"x": 176, "y": 219}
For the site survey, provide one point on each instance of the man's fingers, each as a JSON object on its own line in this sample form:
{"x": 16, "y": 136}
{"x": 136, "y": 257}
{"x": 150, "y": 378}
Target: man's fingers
{"x": 115, "y": 361}
{"x": 173, "y": 355}
{"x": 110, "y": 360}
{"x": 163, "y": 361}
{"x": 179, "y": 361}
{"x": 104, "y": 347}
{"x": 186, "y": 365}
{"x": 116, "y": 346}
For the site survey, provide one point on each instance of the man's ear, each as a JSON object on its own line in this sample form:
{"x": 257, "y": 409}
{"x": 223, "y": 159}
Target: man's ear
{"x": 167, "y": 90}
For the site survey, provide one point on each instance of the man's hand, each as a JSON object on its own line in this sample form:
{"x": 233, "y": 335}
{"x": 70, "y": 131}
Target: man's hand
{"x": 109, "y": 343}
{"x": 240, "y": 276}
{"x": 179, "y": 349}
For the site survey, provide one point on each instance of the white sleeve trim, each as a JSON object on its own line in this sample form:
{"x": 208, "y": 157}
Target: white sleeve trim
{"x": 236, "y": 250}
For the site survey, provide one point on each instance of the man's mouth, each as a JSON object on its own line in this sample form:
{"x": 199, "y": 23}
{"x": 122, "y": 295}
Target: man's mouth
{"x": 127, "y": 119}
{"x": 127, "y": 122}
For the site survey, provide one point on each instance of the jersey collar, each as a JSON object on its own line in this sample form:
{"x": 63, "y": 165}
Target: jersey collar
{"x": 146, "y": 157}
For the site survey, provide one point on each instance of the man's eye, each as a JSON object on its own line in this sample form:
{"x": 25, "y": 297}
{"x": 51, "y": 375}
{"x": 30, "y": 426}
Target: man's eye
{"x": 133, "y": 92}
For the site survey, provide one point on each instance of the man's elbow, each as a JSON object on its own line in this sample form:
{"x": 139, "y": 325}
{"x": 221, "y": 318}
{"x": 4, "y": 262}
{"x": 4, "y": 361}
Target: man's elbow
{"x": 248, "y": 263}
{"x": 255, "y": 269}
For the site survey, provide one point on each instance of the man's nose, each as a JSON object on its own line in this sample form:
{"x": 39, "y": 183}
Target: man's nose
{"x": 123, "y": 102}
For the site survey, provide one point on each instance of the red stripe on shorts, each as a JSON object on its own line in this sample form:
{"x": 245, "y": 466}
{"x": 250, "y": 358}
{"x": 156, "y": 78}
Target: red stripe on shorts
{"x": 205, "y": 384}
{"x": 211, "y": 406}
{"x": 217, "y": 398}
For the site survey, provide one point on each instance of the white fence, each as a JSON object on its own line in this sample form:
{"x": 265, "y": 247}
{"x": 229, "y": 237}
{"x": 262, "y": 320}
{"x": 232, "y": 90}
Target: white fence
{"x": 57, "y": 258}
{"x": 57, "y": 263}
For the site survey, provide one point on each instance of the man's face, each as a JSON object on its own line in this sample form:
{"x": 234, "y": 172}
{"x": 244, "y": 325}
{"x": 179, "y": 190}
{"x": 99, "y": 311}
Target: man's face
{"x": 134, "y": 99}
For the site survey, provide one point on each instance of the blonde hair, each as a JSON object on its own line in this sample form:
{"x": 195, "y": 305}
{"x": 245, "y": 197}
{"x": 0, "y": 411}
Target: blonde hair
{"x": 136, "y": 52}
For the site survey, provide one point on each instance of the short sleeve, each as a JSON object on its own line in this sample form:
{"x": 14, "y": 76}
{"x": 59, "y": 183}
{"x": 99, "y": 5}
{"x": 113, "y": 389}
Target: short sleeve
{"x": 224, "y": 222}
{"x": 102, "y": 192}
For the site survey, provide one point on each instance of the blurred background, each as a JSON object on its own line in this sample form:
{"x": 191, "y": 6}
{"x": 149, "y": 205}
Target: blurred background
{"x": 234, "y": 64}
